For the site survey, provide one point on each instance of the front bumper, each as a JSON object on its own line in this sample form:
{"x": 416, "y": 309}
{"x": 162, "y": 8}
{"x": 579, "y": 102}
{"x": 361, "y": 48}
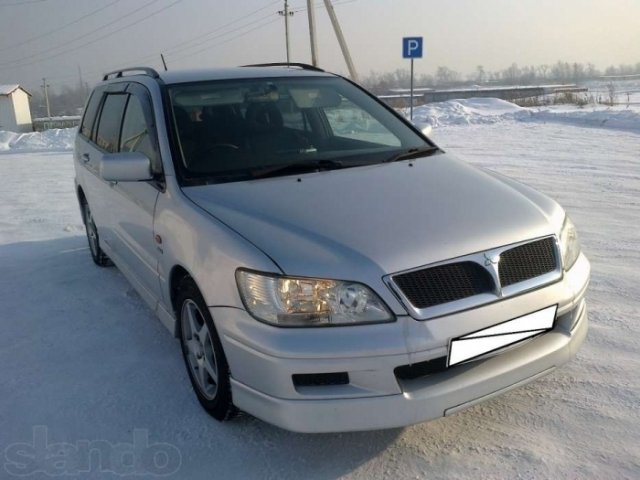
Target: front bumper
{"x": 263, "y": 360}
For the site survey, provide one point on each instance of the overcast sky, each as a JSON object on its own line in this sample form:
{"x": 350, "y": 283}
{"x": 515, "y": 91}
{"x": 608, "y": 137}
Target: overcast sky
{"x": 53, "y": 38}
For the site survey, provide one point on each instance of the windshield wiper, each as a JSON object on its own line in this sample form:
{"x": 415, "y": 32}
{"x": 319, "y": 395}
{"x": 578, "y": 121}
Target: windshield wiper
{"x": 297, "y": 167}
{"x": 413, "y": 153}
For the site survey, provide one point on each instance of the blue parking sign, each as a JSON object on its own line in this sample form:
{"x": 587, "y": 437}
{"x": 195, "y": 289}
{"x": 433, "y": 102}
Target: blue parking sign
{"x": 412, "y": 47}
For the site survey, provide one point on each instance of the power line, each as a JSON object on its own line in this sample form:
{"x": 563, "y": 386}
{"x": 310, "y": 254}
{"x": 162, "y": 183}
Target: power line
{"x": 19, "y": 4}
{"x": 20, "y": 61}
{"x": 171, "y": 51}
{"x": 177, "y": 46}
{"x": 273, "y": 20}
{"x": 104, "y": 36}
{"x": 183, "y": 45}
{"x": 55, "y": 30}
{"x": 322, "y": 7}
{"x": 253, "y": 22}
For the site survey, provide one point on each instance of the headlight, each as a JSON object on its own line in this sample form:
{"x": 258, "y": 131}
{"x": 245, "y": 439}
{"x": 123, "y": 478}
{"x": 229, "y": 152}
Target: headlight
{"x": 309, "y": 302}
{"x": 569, "y": 244}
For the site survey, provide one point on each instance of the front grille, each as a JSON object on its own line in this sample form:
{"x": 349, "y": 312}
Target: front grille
{"x": 421, "y": 369}
{"x": 445, "y": 283}
{"x": 527, "y": 261}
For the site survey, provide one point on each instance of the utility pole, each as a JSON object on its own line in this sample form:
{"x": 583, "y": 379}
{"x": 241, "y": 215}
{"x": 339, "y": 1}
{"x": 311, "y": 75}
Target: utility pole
{"x": 411, "y": 107}
{"x": 45, "y": 87}
{"x": 312, "y": 32}
{"x": 341, "y": 40}
{"x": 81, "y": 82}
{"x": 286, "y": 14}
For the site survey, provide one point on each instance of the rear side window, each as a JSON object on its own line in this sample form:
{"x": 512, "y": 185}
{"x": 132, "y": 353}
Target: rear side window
{"x": 90, "y": 114}
{"x": 136, "y": 135}
{"x": 108, "y": 136}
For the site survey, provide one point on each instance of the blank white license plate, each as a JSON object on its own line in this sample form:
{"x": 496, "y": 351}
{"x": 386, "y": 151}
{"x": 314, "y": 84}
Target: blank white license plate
{"x": 500, "y": 336}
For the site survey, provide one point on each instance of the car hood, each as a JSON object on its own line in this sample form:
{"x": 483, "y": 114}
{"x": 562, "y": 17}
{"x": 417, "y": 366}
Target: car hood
{"x": 365, "y": 222}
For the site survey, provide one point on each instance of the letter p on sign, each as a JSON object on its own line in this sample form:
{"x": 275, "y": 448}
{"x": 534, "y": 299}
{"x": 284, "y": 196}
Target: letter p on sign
{"x": 412, "y": 47}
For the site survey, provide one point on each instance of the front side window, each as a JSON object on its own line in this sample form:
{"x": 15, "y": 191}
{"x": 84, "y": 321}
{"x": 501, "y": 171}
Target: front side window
{"x": 237, "y": 130}
{"x": 136, "y": 135}
{"x": 108, "y": 134}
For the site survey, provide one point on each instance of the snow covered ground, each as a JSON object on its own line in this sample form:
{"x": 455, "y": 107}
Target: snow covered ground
{"x": 86, "y": 365}
{"x": 49, "y": 140}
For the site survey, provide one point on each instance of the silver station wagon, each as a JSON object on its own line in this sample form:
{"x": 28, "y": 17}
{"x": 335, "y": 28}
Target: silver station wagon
{"x": 325, "y": 266}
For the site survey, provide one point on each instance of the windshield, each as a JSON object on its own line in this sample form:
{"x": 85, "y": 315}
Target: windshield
{"x": 239, "y": 129}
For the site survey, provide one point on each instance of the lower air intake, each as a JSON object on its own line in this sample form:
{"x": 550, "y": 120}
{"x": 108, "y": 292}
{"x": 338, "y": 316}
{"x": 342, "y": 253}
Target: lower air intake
{"x": 320, "y": 379}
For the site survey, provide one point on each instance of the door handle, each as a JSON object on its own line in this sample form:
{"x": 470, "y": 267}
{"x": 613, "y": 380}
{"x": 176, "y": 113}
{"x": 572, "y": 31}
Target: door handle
{"x": 86, "y": 157}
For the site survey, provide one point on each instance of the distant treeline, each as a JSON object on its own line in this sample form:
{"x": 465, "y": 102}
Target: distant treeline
{"x": 560, "y": 72}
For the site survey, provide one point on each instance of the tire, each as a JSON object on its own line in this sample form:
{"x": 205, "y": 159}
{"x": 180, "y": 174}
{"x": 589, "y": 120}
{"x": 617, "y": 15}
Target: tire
{"x": 99, "y": 257}
{"x": 202, "y": 352}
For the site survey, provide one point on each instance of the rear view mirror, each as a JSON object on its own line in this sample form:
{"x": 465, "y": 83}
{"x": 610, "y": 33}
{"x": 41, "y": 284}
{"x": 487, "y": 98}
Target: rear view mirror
{"x": 125, "y": 167}
{"x": 267, "y": 93}
{"x": 319, "y": 97}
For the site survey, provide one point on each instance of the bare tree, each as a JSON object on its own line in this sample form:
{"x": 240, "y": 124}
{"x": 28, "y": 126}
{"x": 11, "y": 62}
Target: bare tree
{"x": 512, "y": 74}
{"x": 611, "y": 90}
{"x": 528, "y": 75}
{"x": 592, "y": 71}
{"x": 543, "y": 69}
{"x": 446, "y": 76}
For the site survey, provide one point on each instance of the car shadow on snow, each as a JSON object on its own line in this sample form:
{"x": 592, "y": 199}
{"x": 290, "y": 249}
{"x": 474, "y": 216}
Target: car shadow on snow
{"x": 84, "y": 359}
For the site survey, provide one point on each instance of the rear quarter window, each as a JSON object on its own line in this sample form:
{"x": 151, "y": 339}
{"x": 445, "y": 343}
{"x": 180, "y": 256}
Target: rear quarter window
{"x": 90, "y": 112}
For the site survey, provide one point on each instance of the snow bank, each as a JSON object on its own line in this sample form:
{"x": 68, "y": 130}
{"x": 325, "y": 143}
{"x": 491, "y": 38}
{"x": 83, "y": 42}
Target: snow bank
{"x": 463, "y": 112}
{"x": 49, "y": 140}
{"x": 482, "y": 111}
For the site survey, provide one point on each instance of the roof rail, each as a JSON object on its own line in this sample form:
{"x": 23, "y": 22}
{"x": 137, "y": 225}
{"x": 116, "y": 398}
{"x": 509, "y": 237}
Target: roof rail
{"x": 118, "y": 73}
{"x": 303, "y": 66}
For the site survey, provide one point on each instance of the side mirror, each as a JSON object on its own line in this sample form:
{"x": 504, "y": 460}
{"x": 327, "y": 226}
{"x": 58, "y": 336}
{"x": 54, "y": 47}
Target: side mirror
{"x": 125, "y": 167}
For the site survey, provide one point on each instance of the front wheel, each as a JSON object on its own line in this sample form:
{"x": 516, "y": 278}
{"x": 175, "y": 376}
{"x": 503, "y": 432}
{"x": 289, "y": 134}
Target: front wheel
{"x": 202, "y": 352}
{"x": 99, "y": 257}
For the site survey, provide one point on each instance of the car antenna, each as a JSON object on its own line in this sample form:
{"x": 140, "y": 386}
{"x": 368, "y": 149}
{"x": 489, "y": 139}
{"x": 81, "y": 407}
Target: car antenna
{"x": 164, "y": 63}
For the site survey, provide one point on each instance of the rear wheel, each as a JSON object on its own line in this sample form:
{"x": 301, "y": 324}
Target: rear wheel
{"x": 202, "y": 352}
{"x": 99, "y": 257}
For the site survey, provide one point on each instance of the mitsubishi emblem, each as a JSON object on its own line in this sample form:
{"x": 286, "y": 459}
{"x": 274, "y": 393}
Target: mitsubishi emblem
{"x": 494, "y": 260}
{"x": 491, "y": 262}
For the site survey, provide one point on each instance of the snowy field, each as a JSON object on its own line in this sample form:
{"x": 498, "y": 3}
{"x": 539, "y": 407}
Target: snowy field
{"x": 86, "y": 365}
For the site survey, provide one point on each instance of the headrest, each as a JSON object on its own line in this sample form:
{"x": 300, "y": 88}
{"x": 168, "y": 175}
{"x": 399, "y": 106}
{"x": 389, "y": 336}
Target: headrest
{"x": 264, "y": 115}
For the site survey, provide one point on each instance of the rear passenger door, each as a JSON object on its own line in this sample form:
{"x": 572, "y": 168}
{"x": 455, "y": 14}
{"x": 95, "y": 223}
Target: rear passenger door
{"x": 104, "y": 138}
{"x": 133, "y": 203}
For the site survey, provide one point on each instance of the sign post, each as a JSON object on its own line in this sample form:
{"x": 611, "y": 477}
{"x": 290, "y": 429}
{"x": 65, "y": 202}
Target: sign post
{"x": 411, "y": 48}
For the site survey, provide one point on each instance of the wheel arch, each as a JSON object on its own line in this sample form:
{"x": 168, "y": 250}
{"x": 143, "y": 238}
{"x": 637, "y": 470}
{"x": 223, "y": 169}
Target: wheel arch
{"x": 82, "y": 201}
{"x": 178, "y": 273}
{"x": 81, "y": 196}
